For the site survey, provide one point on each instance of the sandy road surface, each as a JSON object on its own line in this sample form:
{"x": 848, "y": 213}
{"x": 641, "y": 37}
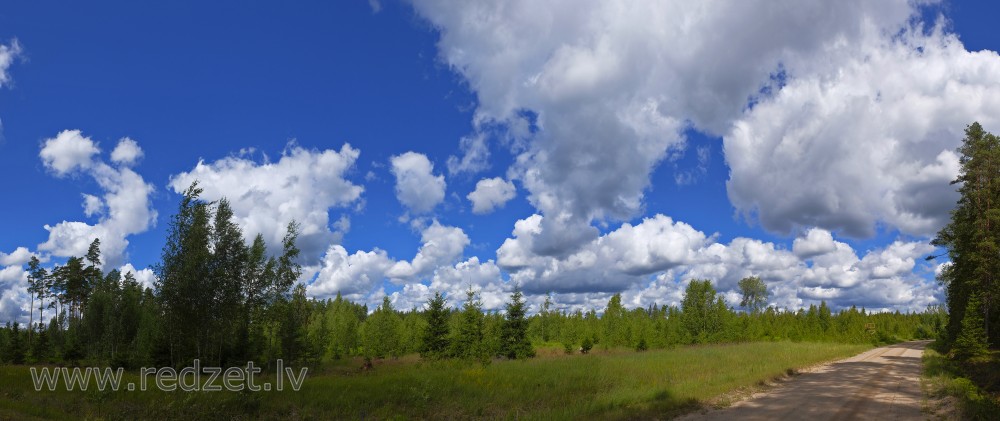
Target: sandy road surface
{"x": 881, "y": 384}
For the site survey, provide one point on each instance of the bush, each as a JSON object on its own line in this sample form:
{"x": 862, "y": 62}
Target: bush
{"x": 641, "y": 346}
{"x": 586, "y": 346}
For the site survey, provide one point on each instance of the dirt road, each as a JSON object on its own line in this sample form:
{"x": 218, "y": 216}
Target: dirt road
{"x": 881, "y": 384}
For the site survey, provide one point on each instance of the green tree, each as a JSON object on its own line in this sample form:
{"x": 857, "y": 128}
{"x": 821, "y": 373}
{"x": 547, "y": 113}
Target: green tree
{"x": 381, "y": 332}
{"x": 971, "y": 340}
{"x": 435, "y": 340}
{"x": 973, "y": 232}
{"x": 187, "y": 299}
{"x": 514, "y": 342}
{"x": 754, "y": 292}
{"x": 468, "y": 340}
{"x": 616, "y": 329}
{"x": 36, "y": 287}
{"x": 701, "y": 310}
{"x": 294, "y": 335}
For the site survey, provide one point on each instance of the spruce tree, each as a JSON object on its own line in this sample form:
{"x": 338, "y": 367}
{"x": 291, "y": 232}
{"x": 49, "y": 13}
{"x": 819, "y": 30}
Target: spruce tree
{"x": 514, "y": 342}
{"x": 971, "y": 340}
{"x": 435, "y": 339}
{"x": 468, "y": 340}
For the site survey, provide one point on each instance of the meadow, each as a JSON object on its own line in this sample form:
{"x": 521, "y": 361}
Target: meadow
{"x": 605, "y": 384}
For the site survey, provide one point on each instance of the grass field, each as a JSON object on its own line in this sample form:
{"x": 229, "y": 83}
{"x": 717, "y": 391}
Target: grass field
{"x": 607, "y": 385}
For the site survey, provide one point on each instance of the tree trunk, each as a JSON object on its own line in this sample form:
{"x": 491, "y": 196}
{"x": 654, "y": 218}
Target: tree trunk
{"x": 31, "y": 318}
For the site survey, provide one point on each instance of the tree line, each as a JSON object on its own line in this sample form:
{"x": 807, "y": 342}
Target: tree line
{"x": 224, "y": 302}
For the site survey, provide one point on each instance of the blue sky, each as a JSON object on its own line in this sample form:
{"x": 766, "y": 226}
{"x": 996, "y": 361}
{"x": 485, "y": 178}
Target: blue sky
{"x": 600, "y": 117}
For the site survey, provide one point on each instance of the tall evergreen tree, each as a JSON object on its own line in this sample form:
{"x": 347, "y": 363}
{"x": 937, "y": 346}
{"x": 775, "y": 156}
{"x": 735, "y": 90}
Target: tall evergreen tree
{"x": 468, "y": 340}
{"x": 435, "y": 340}
{"x": 972, "y": 235}
{"x": 36, "y": 287}
{"x": 514, "y": 343}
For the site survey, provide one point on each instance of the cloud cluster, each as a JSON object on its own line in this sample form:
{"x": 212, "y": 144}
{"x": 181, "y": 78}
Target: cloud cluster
{"x": 840, "y": 115}
{"x": 303, "y": 185}
{"x": 18, "y": 257}
{"x": 654, "y": 259}
{"x": 359, "y": 275}
{"x": 123, "y": 208}
{"x": 866, "y": 141}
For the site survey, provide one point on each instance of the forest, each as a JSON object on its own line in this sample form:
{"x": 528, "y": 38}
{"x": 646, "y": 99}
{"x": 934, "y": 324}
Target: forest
{"x": 224, "y": 302}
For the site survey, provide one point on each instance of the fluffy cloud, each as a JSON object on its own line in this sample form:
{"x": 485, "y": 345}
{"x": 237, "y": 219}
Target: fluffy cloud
{"x": 441, "y": 245}
{"x": 67, "y": 152}
{"x": 146, "y": 277}
{"x": 609, "y": 263}
{"x": 124, "y": 206}
{"x": 127, "y": 152}
{"x": 360, "y": 275}
{"x": 302, "y": 186}
{"x": 491, "y": 194}
{"x": 17, "y": 257}
{"x": 417, "y": 187}
{"x": 816, "y": 241}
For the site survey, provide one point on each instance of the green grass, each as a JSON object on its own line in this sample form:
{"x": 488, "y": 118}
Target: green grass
{"x": 973, "y": 385}
{"x": 607, "y": 385}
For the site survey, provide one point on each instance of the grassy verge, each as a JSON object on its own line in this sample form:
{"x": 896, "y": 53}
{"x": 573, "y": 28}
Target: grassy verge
{"x": 607, "y": 385}
{"x": 961, "y": 390}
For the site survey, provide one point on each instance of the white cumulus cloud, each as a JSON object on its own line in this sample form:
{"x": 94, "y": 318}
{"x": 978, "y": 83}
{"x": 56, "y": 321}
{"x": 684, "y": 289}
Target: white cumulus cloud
{"x": 417, "y": 187}
{"x": 491, "y": 194}
{"x": 127, "y": 152}
{"x": 69, "y": 151}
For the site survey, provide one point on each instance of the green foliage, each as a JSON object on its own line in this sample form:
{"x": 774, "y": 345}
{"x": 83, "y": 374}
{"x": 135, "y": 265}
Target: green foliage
{"x": 971, "y": 340}
{"x": 381, "y": 332}
{"x": 703, "y": 311}
{"x": 514, "y": 340}
{"x": 754, "y": 293}
{"x": 467, "y": 342}
{"x": 435, "y": 340}
{"x": 972, "y": 239}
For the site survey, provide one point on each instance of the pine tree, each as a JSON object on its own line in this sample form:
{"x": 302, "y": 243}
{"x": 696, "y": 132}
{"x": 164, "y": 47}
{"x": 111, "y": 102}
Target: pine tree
{"x": 514, "y": 340}
{"x": 36, "y": 287}
{"x": 435, "y": 340}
